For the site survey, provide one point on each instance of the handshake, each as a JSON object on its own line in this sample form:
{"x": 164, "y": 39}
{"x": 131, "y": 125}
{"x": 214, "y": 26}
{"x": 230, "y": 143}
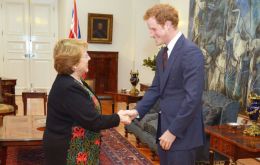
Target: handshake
{"x": 126, "y": 116}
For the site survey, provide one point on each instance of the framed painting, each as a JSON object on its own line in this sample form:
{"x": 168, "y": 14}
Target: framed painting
{"x": 100, "y": 28}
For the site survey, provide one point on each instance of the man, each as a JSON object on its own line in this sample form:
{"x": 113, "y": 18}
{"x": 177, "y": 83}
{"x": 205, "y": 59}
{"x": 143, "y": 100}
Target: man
{"x": 100, "y": 31}
{"x": 178, "y": 84}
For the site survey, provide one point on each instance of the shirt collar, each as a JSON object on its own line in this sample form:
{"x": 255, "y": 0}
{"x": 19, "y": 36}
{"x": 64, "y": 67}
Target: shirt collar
{"x": 173, "y": 42}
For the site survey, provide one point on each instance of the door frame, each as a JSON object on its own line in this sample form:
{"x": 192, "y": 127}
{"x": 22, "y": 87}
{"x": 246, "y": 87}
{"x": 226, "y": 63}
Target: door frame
{"x": 1, "y": 40}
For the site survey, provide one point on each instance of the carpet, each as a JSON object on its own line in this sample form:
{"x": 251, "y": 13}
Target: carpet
{"x": 115, "y": 149}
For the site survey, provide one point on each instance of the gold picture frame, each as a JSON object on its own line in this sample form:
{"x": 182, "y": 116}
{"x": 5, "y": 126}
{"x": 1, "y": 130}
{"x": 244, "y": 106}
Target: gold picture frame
{"x": 100, "y": 28}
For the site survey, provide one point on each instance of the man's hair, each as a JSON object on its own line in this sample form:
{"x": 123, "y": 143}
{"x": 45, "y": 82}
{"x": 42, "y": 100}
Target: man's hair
{"x": 67, "y": 53}
{"x": 163, "y": 13}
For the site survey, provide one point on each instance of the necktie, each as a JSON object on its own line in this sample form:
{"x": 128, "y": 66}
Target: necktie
{"x": 165, "y": 57}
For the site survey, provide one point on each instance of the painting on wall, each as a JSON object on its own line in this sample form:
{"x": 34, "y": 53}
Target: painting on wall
{"x": 100, "y": 28}
{"x": 228, "y": 33}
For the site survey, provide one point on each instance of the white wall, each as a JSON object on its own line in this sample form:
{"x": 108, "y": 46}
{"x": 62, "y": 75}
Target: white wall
{"x": 130, "y": 35}
{"x": 145, "y": 46}
{"x": 183, "y": 8}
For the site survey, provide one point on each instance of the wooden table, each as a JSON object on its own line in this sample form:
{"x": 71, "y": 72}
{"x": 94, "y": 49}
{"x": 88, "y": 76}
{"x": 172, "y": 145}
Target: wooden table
{"x": 20, "y": 131}
{"x": 124, "y": 97}
{"x": 39, "y": 93}
{"x": 231, "y": 142}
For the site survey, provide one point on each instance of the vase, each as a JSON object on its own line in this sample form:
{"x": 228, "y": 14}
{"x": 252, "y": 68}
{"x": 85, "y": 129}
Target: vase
{"x": 134, "y": 81}
{"x": 253, "y": 114}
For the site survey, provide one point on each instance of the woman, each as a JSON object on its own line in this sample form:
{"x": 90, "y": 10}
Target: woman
{"x": 72, "y": 134}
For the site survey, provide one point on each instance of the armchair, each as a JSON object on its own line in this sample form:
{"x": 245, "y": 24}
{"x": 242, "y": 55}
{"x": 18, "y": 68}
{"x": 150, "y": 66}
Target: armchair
{"x": 92, "y": 83}
{"x": 5, "y": 109}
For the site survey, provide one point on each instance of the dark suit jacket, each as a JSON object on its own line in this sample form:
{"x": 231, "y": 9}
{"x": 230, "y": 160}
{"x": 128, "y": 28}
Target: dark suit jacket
{"x": 179, "y": 89}
{"x": 69, "y": 104}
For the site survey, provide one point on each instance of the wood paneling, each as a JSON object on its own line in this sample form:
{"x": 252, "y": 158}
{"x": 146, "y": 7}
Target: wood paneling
{"x": 103, "y": 67}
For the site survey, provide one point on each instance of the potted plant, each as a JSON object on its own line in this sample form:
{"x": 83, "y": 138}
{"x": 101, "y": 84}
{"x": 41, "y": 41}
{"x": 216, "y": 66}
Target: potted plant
{"x": 150, "y": 62}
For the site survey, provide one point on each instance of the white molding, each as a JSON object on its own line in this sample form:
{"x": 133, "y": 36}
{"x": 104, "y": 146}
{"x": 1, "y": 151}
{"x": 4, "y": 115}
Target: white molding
{"x": 1, "y": 39}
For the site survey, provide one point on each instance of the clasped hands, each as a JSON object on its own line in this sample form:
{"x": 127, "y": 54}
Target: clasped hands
{"x": 126, "y": 116}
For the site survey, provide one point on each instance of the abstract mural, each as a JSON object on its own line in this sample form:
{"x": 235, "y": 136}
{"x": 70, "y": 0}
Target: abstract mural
{"x": 228, "y": 33}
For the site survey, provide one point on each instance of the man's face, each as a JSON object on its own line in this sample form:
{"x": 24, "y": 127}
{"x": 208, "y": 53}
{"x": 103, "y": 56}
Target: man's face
{"x": 100, "y": 26}
{"x": 157, "y": 31}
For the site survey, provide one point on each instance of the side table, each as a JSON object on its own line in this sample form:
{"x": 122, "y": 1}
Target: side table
{"x": 39, "y": 93}
{"x": 124, "y": 97}
{"x": 231, "y": 142}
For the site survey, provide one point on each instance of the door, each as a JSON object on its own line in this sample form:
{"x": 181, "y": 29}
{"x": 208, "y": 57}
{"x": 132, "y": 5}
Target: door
{"x": 28, "y": 39}
{"x": 1, "y": 39}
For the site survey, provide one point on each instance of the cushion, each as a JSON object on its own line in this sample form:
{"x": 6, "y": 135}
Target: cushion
{"x": 211, "y": 115}
{"x": 4, "y": 108}
{"x": 146, "y": 118}
{"x": 156, "y": 107}
{"x": 229, "y": 107}
{"x": 151, "y": 127}
{"x": 230, "y": 112}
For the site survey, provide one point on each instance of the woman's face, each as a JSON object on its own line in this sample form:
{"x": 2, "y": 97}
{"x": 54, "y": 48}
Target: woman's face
{"x": 82, "y": 66}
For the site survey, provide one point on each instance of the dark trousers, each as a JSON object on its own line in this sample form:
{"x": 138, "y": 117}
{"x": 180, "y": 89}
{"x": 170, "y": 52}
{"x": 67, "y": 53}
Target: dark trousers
{"x": 181, "y": 157}
{"x": 158, "y": 134}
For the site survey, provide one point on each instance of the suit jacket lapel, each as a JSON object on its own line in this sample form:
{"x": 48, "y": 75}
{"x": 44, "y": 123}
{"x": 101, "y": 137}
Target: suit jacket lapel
{"x": 160, "y": 64}
{"x": 176, "y": 51}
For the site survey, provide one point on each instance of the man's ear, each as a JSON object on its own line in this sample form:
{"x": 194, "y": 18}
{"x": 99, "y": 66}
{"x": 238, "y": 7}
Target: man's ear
{"x": 167, "y": 25}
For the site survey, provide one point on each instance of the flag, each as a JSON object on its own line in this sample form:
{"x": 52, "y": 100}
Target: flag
{"x": 74, "y": 28}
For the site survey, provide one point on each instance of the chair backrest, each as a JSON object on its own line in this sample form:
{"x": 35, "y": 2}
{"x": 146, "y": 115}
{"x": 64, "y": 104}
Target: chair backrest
{"x": 91, "y": 83}
{"x": 229, "y": 108}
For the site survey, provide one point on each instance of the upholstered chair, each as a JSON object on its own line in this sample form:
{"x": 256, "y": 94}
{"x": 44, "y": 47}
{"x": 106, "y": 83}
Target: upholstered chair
{"x": 5, "y": 109}
{"x": 91, "y": 84}
{"x": 217, "y": 109}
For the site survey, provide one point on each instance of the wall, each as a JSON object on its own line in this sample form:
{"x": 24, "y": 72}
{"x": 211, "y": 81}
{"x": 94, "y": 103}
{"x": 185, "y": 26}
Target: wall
{"x": 1, "y": 49}
{"x": 145, "y": 46}
{"x": 130, "y": 35}
{"x": 183, "y": 8}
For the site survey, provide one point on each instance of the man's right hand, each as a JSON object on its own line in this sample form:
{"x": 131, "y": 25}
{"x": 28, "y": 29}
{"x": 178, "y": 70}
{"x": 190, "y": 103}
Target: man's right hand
{"x": 125, "y": 119}
{"x": 131, "y": 113}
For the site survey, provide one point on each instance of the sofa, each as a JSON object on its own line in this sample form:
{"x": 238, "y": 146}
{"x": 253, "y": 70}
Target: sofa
{"x": 217, "y": 109}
